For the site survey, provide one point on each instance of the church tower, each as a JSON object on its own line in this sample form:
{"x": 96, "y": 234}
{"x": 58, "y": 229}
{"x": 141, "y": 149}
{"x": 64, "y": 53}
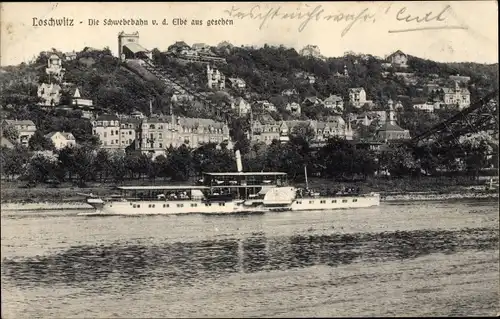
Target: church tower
{"x": 391, "y": 114}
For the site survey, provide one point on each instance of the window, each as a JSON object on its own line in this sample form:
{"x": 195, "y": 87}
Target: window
{"x": 129, "y": 132}
{"x": 160, "y": 145}
{"x": 194, "y": 205}
{"x": 116, "y": 141}
{"x": 208, "y": 204}
{"x": 311, "y": 202}
{"x": 138, "y": 206}
{"x": 180, "y": 205}
{"x": 151, "y": 126}
{"x": 112, "y": 133}
{"x": 323, "y": 202}
{"x": 354, "y": 200}
{"x": 105, "y": 134}
{"x": 116, "y": 132}
{"x": 298, "y": 202}
{"x": 134, "y": 206}
{"x": 111, "y": 142}
{"x": 334, "y": 201}
{"x": 344, "y": 201}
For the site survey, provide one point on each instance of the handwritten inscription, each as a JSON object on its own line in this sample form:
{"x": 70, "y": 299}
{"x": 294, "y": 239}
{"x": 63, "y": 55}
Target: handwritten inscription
{"x": 308, "y": 14}
{"x": 428, "y": 17}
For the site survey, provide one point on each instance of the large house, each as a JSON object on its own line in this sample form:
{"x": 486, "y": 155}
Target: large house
{"x": 457, "y": 96}
{"x": 50, "y": 94}
{"x": 266, "y": 130}
{"x": 54, "y": 67}
{"x": 216, "y": 80}
{"x": 237, "y": 83}
{"x": 61, "y": 139}
{"x": 155, "y": 134}
{"x": 398, "y": 59}
{"x": 311, "y": 51}
{"x": 334, "y": 102}
{"x": 241, "y": 106}
{"x": 293, "y": 108}
{"x": 25, "y": 128}
{"x": 357, "y": 97}
{"x": 267, "y": 106}
{"x": 107, "y": 128}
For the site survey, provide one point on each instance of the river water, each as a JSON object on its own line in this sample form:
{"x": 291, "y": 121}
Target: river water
{"x": 418, "y": 258}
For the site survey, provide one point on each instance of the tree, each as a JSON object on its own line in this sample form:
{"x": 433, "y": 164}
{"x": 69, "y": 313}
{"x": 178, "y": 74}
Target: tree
{"x": 14, "y": 161}
{"x": 42, "y": 167}
{"x": 118, "y": 167}
{"x": 38, "y": 142}
{"x": 477, "y": 148}
{"x": 10, "y": 132}
{"x": 84, "y": 164}
{"x": 179, "y": 163}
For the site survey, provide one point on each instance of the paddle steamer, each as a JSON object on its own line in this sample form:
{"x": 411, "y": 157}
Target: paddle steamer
{"x": 227, "y": 193}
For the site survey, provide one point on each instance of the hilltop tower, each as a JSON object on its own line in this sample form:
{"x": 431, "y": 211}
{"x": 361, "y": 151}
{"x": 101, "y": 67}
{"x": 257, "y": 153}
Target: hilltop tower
{"x": 126, "y": 38}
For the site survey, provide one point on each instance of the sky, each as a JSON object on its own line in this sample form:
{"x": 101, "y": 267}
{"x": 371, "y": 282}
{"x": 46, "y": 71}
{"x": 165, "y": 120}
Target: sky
{"x": 447, "y": 31}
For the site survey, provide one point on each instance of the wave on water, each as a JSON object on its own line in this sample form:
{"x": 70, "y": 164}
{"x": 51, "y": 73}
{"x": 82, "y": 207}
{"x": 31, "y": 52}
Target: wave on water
{"x": 181, "y": 262}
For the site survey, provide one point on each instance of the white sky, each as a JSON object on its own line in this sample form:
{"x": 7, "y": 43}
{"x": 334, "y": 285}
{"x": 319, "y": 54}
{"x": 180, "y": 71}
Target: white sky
{"x": 20, "y": 41}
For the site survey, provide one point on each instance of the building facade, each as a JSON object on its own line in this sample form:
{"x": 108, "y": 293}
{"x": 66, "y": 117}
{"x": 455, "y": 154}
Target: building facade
{"x": 25, "y": 128}
{"x": 311, "y": 51}
{"x": 357, "y": 97}
{"x": 50, "y": 94}
{"x": 215, "y": 79}
{"x": 334, "y": 102}
{"x": 268, "y": 131}
{"x": 107, "y": 129}
{"x": 156, "y": 134}
{"x": 398, "y": 59}
{"x": 456, "y": 96}
{"x": 61, "y": 139}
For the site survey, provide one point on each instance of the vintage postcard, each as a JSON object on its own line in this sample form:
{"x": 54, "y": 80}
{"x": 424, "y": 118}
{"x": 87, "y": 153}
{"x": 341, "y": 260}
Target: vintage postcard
{"x": 249, "y": 159}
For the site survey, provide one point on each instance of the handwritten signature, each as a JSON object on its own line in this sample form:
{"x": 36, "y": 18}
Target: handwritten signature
{"x": 306, "y": 15}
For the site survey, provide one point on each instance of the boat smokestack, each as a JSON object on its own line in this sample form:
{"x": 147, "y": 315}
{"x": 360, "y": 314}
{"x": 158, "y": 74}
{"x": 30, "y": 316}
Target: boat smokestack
{"x": 239, "y": 165}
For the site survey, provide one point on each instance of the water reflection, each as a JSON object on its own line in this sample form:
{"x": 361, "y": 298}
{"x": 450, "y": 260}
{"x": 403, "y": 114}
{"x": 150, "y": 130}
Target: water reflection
{"x": 182, "y": 262}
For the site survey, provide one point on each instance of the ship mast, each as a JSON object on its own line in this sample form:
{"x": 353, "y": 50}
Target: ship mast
{"x": 305, "y": 173}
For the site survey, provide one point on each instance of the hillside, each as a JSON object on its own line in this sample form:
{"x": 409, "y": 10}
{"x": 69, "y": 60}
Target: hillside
{"x": 267, "y": 71}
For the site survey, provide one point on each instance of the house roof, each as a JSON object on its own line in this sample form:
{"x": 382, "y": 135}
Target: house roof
{"x": 135, "y": 47}
{"x": 312, "y": 99}
{"x": 107, "y": 117}
{"x": 390, "y": 127}
{"x": 51, "y": 87}
{"x": 77, "y": 93}
{"x": 333, "y": 98}
{"x": 199, "y": 45}
{"x": 397, "y": 52}
{"x": 6, "y": 142}
{"x": 20, "y": 122}
{"x": 354, "y": 90}
{"x": 67, "y": 135}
